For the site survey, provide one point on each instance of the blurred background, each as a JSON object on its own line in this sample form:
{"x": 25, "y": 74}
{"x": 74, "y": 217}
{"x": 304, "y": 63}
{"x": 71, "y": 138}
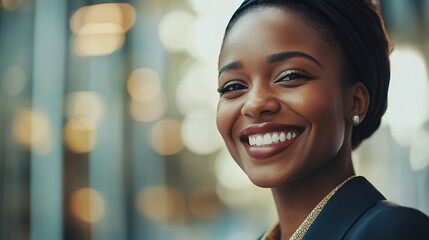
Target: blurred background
{"x": 107, "y": 126}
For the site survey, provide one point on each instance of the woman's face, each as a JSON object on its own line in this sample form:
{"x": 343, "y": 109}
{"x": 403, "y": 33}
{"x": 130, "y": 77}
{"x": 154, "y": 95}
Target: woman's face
{"x": 282, "y": 107}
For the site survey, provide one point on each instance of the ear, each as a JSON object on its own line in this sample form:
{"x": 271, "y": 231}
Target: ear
{"x": 358, "y": 102}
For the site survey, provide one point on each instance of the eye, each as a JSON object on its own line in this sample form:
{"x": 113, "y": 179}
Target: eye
{"x": 293, "y": 75}
{"x": 231, "y": 87}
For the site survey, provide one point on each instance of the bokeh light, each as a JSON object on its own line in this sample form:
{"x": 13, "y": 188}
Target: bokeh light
{"x": 419, "y": 154}
{"x": 408, "y": 94}
{"x": 88, "y": 105}
{"x": 148, "y": 111}
{"x": 144, "y": 85}
{"x": 11, "y": 5}
{"x": 207, "y": 6}
{"x": 175, "y": 30}
{"x": 100, "y": 29}
{"x": 32, "y": 129}
{"x": 14, "y": 80}
{"x": 161, "y": 204}
{"x": 87, "y": 205}
{"x": 204, "y": 45}
{"x": 165, "y": 137}
{"x": 98, "y": 44}
{"x": 204, "y": 203}
{"x": 80, "y": 135}
{"x": 197, "y": 89}
{"x": 229, "y": 174}
{"x": 199, "y": 132}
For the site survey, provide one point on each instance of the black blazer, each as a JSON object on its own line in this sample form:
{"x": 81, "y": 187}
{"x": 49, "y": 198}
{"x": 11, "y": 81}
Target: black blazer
{"x": 358, "y": 211}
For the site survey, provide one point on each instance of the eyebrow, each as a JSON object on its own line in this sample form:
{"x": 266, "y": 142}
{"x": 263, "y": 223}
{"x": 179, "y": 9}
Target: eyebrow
{"x": 275, "y": 58}
{"x": 231, "y": 66}
{"x": 279, "y": 57}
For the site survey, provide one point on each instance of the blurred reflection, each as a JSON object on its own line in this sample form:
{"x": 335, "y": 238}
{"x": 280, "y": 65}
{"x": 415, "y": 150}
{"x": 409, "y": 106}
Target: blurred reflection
{"x": 11, "y": 5}
{"x": 144, "y": 85}
{"x": 175, "y": 30}
{"x": 32, "y": 130}
{"x": 204, "y": 204}
{"x": 14, "y": 80}
{"x": 197, "y": 89}
{"x": 229, "y": 174}
{"x": 409, "y": 90}
{"x": 419, "y": 154}
{"x": 148, "y": 111}
{"x": 165, "y": 137}
{"x": 87, "y": 105}
{"x": 99, "y": 29}
{"x": 161, "y": 204}
{"x": 199, "y": 132}
{"x": 80, "y": 135}
{"x": 87, "y": 205}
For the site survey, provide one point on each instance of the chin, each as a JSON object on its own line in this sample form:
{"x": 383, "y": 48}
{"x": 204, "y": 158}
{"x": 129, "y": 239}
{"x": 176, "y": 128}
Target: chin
{"x": 267, "y": 180}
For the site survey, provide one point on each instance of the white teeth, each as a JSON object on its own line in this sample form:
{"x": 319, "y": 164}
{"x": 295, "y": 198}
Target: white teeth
{"x": 270, "y": 138}
{"x": 275, "y": 138}
{"x": 259, "y": 140}
{"x": 282, "y": 137}
{"x": 267, "y": 139}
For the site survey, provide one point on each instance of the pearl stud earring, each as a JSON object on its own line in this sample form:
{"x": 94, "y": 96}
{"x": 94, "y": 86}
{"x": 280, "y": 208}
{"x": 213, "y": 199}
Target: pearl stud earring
{"x": 356, "y": 119}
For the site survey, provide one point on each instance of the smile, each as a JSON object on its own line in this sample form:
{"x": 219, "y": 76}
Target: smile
{"x": 266, "y": 140}
{"x": 260, "y": 140}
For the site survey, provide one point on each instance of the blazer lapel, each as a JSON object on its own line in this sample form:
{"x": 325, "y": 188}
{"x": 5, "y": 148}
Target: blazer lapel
{"x": 343, "y": 209}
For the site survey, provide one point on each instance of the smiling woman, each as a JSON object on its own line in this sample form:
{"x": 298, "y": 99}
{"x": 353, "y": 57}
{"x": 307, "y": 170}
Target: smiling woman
{"x": 302, "y": 84}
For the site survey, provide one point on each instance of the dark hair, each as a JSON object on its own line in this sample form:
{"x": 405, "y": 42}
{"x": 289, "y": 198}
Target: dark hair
{"x": 358, "y": 29}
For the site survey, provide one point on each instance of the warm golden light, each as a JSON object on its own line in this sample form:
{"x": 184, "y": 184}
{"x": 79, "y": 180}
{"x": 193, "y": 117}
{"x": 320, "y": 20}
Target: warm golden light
{"x": 121, "y": 14}
{"x": 13, "y": 80}
{"x": 412, "y": 99}
{"x": 100, "y": 29}
{"x": 80, "y": 135}
{"x": 87, "y": 105}
{"x": 87, "y": 205}
{"x": 32, "y": 129}
{"x": 10, "y": 5}
{"x": 144, "y": 84}
{"x": 165, "y": 137}
{"x": 161, "y": 204}
{"x": 175, "y": 30}
{"x": 204, "y": 203}
{"x": 197, "y": 89}
{"x": 148, "y": 111}
{"x": 229, "y": 174}
{"x": 199, "y": 132}
{"x": 98, "y": 44}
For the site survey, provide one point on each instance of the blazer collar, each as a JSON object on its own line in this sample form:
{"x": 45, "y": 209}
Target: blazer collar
{"x": 343, "y": 209}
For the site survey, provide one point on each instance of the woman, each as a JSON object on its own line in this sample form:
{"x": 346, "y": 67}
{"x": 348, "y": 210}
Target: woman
{"x": 302, "y": 83}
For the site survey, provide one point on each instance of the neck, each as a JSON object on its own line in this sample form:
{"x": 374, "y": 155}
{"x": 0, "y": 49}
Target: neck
{"x": 295, "y": 200}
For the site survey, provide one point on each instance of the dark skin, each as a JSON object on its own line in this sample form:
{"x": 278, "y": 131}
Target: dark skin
{"x": 278, "y": 75}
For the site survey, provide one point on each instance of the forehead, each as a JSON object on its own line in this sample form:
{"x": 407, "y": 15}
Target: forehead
{"x": 268, "y": 30}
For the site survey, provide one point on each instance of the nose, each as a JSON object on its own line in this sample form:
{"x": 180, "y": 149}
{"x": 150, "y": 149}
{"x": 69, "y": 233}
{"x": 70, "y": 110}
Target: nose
{"x": 259, "y": 103}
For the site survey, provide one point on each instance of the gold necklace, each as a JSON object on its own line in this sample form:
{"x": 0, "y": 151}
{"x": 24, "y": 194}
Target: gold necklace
{"x": 303, "y": 228}
{"x": 274, "y": 232}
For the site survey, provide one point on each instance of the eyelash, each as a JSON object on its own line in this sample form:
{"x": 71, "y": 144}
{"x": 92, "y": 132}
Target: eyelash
{"x": 235, "y": 85}
{"x": 293, "y": 74}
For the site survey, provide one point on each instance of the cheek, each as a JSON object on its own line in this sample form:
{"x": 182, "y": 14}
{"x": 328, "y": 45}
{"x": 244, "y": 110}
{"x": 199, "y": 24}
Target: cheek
{"x": 322, "y": 108}
{"x": 324, "y": 111}
{"x": 225, "y": 119}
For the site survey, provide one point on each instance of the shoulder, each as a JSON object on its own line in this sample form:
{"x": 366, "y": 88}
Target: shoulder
{"x": 386, "y": 220}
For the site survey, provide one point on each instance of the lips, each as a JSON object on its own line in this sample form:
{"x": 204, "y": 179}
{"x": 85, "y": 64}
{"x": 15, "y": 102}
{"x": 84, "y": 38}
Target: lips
{"x": 268, "y": 139}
